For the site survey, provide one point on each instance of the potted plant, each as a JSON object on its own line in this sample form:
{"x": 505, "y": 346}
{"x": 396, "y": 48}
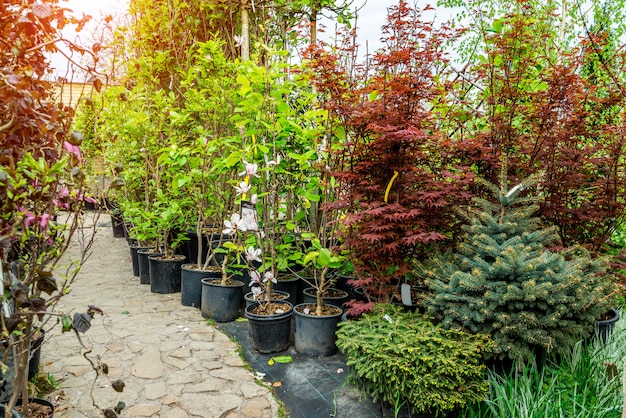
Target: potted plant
{"x": 42, "y": 209}
{"x": 316, "y": 323}
{"x": 397, "y": 185}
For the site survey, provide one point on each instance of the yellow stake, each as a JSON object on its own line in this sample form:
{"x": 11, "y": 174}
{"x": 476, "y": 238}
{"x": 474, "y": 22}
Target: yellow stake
{"x": 395, "y": 174}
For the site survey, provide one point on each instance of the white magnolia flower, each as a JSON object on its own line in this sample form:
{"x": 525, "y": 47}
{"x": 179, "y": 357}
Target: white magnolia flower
{"x": 243, "y": 188}
{"x": 268, "y": 276}
{"x": 272, "y": 162}
{"x": 233, "y": 225}
{"x": 252, "y": 254}
{"x": 255, "y": 278}
{"x": 256, "y": 292}
{"x": 254, "y": 199}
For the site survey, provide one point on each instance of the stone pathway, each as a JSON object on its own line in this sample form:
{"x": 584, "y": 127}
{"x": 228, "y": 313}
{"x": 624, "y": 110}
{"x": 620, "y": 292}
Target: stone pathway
{"x": 173, "y": 364}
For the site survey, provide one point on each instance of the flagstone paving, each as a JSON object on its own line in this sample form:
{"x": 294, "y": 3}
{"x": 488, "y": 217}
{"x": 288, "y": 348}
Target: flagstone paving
{"x": 172, "y": 362}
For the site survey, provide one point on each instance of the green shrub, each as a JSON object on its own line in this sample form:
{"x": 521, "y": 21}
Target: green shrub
{"x": 401, "y": 356}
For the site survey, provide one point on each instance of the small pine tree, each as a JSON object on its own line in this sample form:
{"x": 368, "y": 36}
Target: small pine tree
{"x": 505, "y": 281}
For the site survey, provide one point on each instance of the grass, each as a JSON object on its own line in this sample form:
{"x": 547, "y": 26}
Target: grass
{"x": 586, "y": 384}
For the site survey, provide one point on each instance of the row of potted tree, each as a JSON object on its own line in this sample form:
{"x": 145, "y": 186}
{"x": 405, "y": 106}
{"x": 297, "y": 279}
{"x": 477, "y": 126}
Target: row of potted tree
{"x": 275, "y": 167}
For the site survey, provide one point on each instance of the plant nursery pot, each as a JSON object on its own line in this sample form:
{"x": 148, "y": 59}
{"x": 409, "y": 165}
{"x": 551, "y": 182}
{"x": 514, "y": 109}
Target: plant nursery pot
{"x": 165, "y": 273}
{"x": 603, "y": 328}
{"x": 288, "y": 284}
{"x": 117, "y": 223}
{"x": 35, "y": 355}
{"x": 337, "y": 297}
{"x": 7, "y": 380}
{"x": 208, "y": 236}
{"x": 221, "y": 303}
{"x": 14, "y": 414}
{"x": 40, "y": 408}
{"x": 191, "y": 284}
{"x": 276, "y": 295}
{"x": 134, "y": 249}
{"x": 144, "y": 264}
{"x": 270, "y": 333}
{"x": 315, "y": 335}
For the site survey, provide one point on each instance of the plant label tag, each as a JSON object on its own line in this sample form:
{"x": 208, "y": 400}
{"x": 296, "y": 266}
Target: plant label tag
{"x": 248, "y": 216}
{"x": 405, "y": 292}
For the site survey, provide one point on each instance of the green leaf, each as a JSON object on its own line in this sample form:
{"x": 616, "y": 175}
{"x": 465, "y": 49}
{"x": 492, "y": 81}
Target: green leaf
{"x": 282, "y": 359}
{"x": 324, "y": 258}
{"x": 310, "y": 257}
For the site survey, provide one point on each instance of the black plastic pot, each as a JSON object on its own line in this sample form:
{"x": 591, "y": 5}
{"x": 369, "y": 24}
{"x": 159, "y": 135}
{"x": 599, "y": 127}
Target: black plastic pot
{"x": 38, "y": 401}
{"x": 7, "y": 379}
{"x": 192, "y": 243}
{"x": 604, "y": 328}
{"x": 221, "y": 302}
{"x": 165, "y": 273}
{"x": 35, "y": 355}
{"x": 310, "y": 297}
{"x": 276, "y": 295}
{"x": 191, "y": 284}
{"x": 14, "y": 414}
{"x": 288, "y": 284}
{"x": 270, "y": 333}
{"x": 315, "y": 335}
{"x": 135, "y": 258}
{"x": 144, "y": 264}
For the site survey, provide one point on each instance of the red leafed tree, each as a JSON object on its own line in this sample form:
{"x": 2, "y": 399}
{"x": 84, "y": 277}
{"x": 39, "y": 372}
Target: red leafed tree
{"x": 399, "y": 182}
{"x": 555, "y": 112}
{"x": 30, "y": 120}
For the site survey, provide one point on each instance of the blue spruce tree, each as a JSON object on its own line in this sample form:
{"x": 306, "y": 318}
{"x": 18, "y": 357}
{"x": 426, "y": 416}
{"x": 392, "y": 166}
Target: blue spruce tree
{"x": 504, "y": 280}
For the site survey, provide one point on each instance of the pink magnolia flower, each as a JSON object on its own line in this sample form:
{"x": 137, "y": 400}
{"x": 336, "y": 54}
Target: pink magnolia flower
{"x": 256, "y": 292}
{"x": 251, "y": 170}
{"x": 254, "y": 199}
{"x": 73, "y": 149}
{"x": 252, "y": 254}
{"x": 63, "y": 192}
{"x": 29, "y": 218}
{"x": 43, "y": 221}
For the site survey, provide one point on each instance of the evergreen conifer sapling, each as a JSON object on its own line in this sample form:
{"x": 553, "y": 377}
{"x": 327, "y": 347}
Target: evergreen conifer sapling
{"x": 504, "y": 279}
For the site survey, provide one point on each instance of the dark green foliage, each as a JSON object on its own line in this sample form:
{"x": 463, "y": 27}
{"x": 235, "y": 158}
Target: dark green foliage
{"x": 401, "y": 356}
{"x": 505, "y": 281}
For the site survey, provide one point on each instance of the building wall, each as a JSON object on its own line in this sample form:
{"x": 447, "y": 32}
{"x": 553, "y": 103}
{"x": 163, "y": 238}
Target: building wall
{"x": 70, "y": 93}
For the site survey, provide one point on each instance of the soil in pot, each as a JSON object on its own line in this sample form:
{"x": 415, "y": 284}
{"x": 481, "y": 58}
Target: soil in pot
{"x": 316, "y": 334}
{"x": 38, "y": 408}
{"x": 275, "y": 296}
